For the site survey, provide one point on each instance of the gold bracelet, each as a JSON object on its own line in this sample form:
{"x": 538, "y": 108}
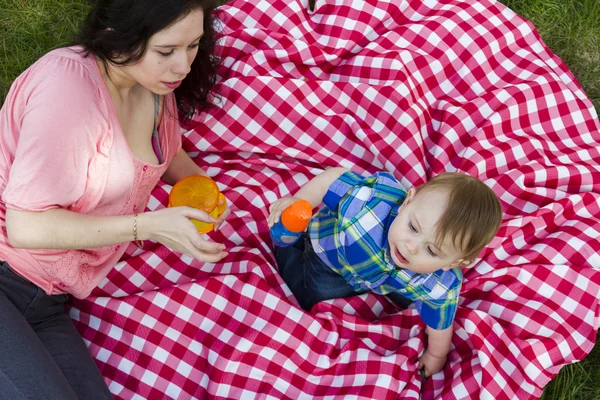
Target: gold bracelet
{"x": 139, "y": 243}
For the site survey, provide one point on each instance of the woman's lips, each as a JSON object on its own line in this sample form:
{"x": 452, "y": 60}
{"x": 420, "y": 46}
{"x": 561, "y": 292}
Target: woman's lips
{"x": 172, "y": 85}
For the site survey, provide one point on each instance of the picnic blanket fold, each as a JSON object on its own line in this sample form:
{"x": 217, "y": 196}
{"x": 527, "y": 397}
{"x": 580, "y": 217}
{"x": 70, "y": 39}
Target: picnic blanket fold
{"x": 412, "y": 87}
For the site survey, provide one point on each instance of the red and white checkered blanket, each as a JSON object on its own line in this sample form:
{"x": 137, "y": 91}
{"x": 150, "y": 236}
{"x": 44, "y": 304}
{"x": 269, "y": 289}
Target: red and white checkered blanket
{"x": 415, "y": 87}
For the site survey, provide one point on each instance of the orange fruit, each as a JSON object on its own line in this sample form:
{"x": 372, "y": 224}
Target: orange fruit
{"x": 199, "y": 192}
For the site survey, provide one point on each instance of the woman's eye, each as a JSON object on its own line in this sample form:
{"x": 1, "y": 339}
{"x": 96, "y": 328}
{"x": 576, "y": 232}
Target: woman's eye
{"x": 165, "y": 54}
{"x": 431, "y": 252}
{"x": 412, "y": 227}
{"x": 193, "y": 46}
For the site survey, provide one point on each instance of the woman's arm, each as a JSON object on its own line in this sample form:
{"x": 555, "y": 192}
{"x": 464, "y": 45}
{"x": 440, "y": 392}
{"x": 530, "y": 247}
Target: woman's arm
{"x": 181, "y": 166}
{"x": 62, "y": 229}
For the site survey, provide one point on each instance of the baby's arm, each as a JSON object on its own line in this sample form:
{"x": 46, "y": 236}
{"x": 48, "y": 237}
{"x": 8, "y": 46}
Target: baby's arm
{"x": 313, "y": 191}
{"x": 438, "y": 347}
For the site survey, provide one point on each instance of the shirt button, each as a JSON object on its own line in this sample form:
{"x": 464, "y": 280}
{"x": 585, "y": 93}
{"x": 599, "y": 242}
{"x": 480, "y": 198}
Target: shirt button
{"x": 61, "y": 284}
{"x": 118, "y": 247}
{"x": 134, "y": 207}
{"x": 145, "y": 168}
{"x": 402, "y": 290}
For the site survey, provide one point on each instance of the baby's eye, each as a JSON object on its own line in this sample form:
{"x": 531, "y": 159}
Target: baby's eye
{"x": 412, "y": 227}
{"x": 431, "y": 252}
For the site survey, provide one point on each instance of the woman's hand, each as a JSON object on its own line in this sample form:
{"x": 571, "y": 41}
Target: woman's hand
{"x": 222, "y": 217}
{"x": 277, "y": 208}
{"x": 173, "y": 228}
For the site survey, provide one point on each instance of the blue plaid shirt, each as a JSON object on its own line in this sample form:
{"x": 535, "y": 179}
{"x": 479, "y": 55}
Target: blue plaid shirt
{"x": 349, "y": 233}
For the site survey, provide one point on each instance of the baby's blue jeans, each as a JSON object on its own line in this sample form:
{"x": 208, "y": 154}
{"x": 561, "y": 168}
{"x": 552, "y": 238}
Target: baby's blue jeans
{"x": 311, "y": 280}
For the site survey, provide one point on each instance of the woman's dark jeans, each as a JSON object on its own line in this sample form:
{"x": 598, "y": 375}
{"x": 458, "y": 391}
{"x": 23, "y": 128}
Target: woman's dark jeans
{"x": 42, "y": 356}
{"x": 311, "y": 280}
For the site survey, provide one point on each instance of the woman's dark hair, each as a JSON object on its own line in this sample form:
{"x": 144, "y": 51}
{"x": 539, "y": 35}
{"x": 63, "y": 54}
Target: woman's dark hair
{"x": 118, "y": 31}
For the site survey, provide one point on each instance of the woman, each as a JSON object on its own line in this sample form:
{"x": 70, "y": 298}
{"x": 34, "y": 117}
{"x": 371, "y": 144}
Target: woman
{"x": 85, "y": 134}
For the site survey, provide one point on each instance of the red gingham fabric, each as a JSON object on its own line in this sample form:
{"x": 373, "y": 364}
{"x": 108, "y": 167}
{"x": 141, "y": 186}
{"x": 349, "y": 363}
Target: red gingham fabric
{"x": 414, "y": 87}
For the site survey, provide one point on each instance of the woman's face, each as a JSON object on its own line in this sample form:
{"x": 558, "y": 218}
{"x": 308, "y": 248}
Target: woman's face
{"x": 169, "y": 55}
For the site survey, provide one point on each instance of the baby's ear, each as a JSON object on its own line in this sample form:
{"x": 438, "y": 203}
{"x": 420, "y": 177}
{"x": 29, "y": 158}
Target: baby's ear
{"x": 409, "y": 196}
{"x": 458, "y": 263}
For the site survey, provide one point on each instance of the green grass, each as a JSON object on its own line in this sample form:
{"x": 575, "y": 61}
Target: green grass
{"x": 29, "y": 28}
{"x": 580, "y": 381}
{"x": 571, "y": 28}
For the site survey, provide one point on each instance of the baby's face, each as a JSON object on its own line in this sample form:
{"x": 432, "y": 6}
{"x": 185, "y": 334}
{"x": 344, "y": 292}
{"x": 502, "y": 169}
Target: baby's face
{"x": 412, "y": 235}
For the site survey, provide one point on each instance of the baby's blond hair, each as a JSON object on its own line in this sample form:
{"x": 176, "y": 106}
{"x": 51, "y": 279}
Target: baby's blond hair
{"x": 473, "y": 214}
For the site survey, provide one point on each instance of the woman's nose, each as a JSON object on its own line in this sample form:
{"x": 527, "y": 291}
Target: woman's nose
{"x": 182, "y": 65}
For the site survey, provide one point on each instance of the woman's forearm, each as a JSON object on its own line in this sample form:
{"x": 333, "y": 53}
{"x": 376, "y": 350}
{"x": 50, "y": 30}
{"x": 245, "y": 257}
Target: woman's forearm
{"x": 181, "y": 166}
{"x": 62, "y": 229}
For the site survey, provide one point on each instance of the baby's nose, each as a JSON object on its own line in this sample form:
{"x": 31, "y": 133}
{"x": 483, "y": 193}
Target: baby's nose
{"x": 411, "y": 247}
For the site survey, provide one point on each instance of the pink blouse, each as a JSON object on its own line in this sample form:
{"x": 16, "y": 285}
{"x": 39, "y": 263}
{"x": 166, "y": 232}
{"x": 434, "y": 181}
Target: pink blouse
{"x": 61, "y": 146}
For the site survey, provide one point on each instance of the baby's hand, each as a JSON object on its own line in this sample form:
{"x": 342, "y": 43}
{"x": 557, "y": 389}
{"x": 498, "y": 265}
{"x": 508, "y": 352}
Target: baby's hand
{"x": 431, "y": 364}
{"x": 277, "y": 208}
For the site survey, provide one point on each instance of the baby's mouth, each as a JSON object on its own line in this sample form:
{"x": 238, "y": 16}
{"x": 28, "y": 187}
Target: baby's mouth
{"x": 399, "y": 256}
